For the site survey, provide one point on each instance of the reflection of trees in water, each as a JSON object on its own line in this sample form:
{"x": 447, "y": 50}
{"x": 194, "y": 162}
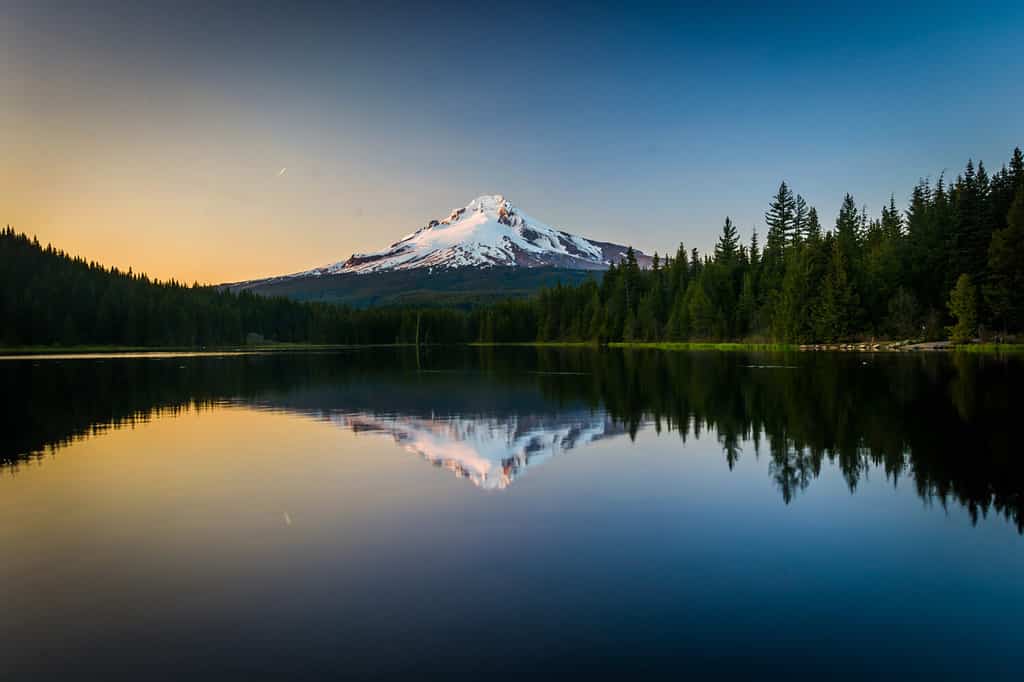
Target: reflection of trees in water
{"x": 941, "y": 420}
{"x": 50, "y": 404}
{"x": 792, "y": 469}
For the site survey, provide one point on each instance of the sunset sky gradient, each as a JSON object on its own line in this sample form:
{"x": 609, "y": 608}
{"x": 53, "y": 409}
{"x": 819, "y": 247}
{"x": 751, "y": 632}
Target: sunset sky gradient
{"x": 154, "y": 135}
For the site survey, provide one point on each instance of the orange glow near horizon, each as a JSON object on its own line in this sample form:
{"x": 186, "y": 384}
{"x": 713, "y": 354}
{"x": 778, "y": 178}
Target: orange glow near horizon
{"x": 193, "y": 212}
{"x": 175, "y": 179}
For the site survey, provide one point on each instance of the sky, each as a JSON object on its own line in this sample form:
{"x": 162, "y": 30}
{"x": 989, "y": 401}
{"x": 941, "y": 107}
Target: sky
{"x": 217, "y": 142}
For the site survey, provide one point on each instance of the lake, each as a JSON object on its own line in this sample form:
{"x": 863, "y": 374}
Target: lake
{"x": 492, "y": 513}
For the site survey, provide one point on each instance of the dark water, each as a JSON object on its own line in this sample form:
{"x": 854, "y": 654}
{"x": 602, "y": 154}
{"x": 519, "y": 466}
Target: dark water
{"x": 512, "y": 513}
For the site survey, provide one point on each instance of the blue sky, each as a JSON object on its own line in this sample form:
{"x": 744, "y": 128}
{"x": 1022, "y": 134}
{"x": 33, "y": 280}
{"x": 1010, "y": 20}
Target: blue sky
{"x": 639, "y": 123}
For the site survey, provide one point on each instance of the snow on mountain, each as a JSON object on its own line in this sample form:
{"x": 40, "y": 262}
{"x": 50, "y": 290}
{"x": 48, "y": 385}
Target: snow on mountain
{"x": 490, "y": 231}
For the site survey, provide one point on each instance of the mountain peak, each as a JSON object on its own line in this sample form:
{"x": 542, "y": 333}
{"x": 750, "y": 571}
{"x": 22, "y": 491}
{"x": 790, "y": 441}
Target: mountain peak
{"x": 495, "y": 206}
{"x": 487, "y": 201}
{"x": 487, "y": 232}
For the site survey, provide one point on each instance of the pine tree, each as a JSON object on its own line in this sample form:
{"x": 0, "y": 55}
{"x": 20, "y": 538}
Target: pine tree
{"x": 727, "y": 248}
{"x": 1004, "y": 291}
{"x": 596, "y": 327}
{"x": 746, "y": 307}
{"x": 678, "y": 328}
{"x": 848, "y": 227}
{"x": 630, "y": 331}
{"x": 972, "y": 226}
{"x": 679, "y": 273}
{"x": 701, "y": 312}
{"x": 812, "y": 227}
{"x": 892, "y": 221}
{"x": 902, "y": 315}
{"x": 1017, "y": 166}
{"x": 791, "y": 321}
{"x": 800, "y": 216}
{"x": 631, "y": 279}
{"x": 963, "y": 305}
{"x": 835, "y": 310}
{"x": 780, "y": 218}
{"x": 647, "y": 327}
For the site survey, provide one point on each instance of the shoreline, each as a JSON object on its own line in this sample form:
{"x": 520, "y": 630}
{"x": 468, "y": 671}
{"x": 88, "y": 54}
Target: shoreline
{"x": 76, "y": 352}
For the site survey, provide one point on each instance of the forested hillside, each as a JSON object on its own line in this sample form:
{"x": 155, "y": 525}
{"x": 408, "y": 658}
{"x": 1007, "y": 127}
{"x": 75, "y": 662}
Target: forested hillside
{"x": 49, "y": 298}
{"x": 951, "y": 264}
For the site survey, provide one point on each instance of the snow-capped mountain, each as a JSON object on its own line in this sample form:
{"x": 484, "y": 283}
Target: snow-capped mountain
{"x": 489, "y": 231}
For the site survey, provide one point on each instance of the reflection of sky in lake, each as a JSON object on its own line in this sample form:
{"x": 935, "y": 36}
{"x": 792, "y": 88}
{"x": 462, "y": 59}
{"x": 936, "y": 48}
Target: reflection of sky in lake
{"x": 286, "y": 530}
{"x": 256, "y": 538}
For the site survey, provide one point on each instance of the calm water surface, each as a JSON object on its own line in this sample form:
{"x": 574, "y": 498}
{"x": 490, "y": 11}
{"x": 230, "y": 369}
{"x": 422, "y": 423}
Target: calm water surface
{"x": 503, "y": 513}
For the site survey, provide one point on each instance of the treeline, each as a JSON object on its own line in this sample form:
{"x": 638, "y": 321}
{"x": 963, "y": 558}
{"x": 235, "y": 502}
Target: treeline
{"x": 48, "y": 297}
{"x": 953, "y": 262}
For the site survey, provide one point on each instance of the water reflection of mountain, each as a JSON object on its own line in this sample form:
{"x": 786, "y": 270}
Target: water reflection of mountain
{"x": 484, "y": 430}
{"x": 491, "y": 452}
{"x": 942, "y": 423}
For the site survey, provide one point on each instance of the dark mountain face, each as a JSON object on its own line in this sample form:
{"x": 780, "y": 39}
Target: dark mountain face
{"x": 458, "y": 287}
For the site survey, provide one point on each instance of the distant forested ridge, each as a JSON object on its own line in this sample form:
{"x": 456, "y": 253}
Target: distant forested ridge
{"x": 950, "y": 264}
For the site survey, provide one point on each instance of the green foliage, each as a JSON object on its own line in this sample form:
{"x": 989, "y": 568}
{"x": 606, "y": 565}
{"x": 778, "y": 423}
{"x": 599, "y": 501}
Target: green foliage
{"x": 837, "y": 306}
{"x": 963, "y": 305}
{"x": 792, "y": 320}
{"x": 902, "y": 315}
{"x": 1004, "y": 292}
{"x": 728, "y": 247}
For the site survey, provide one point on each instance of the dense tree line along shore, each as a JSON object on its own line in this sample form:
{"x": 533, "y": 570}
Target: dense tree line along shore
{"x": 950, "y": 265}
